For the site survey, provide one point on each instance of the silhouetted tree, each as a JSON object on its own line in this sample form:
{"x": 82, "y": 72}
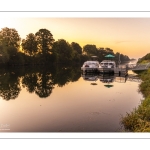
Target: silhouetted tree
{"x": 45, "y": 41}
{"x": 10, "y": 44}
{"x": 101, "y": 53}
{"x": 109, "y": 51}
{"x": 62, "y": 51}
{"x": 10, "y": 37}
{"x": 90, "y": 50}
{"x": 76, "y": 47}
{"x": 4, "y": 56}
{"x": 29, "y": 45}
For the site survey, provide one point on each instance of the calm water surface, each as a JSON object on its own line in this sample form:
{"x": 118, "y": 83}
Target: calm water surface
{"x": 61, "y": 99}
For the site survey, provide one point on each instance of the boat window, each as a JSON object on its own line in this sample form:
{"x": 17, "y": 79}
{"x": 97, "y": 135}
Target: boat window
{"x": 106, "y": 64}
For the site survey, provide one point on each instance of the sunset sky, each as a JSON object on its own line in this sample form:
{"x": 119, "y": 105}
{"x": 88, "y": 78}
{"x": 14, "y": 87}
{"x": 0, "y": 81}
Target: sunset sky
{"x": 129, "y": 36}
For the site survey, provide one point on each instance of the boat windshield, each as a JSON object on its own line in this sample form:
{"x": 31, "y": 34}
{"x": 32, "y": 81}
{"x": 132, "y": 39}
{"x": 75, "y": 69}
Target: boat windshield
{"x": 91, "y": 63}
{"x": 110, "y": 63}
{"x": 106, "y": 64}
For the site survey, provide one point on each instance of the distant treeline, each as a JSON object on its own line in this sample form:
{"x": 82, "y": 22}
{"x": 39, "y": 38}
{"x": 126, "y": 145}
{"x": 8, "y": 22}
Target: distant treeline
{"x": 144, "y": 59}
{"x": 41, "y": 48}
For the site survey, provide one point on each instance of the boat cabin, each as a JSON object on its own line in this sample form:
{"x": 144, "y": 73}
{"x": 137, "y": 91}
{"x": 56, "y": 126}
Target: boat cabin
{"x": 107, "y": 64}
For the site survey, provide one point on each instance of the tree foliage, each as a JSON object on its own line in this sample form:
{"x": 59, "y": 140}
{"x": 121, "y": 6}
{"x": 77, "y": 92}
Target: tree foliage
{"x": 9, "y": 43}
{"x": 90, "y": 49}
{"x": 45, "y": 41}
{"x": 41, "y": 48}
{"x": 4, "y": 57}
{"x": 62, "y": 50}
{"x": 144, "y": 59}
{"x": 76, "y": 47}
{"x": 10, "y": 37}
{"x": 29, "y": 45}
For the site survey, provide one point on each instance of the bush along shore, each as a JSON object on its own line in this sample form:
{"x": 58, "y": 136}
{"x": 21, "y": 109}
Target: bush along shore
{"x": 139, "y": 119}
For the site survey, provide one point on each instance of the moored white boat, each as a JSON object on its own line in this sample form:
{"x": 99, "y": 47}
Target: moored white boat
{"x": 107, "y": 66}
{"x": 90, "y": 66}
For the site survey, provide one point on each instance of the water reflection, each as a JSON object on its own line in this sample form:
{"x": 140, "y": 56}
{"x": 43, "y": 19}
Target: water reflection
{"x": 61, "y": 99}
{"x": 39, "y": 80}
{"x": 90, "y": 77}
{"x": 110, "y": 78}
{"x": 9, "y": 85}
{"x": 42, "y": 81}
{"x": 106, "y": 78}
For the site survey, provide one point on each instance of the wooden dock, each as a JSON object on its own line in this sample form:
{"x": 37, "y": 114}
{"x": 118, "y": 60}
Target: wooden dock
{"x": 124, "y": 69}
{"x": 121, "y": 70}
{"x": 140, "y": 67}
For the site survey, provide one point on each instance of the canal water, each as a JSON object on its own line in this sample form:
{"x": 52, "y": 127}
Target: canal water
{"x": 61, "y": 99}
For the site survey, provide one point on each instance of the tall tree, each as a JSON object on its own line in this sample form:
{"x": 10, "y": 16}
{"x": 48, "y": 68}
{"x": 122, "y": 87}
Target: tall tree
{"x": 77, "y": 51}
{"x": 90, "y": 49}
{"x": 10, "y": 37}
{"x": 9, "y": 42}
{"x": 101, "y": 53}
{"x": 29, "y": 45}
{"x": 76, "y": 47}
{"x": 62, "y": 50}
{"x": 45, "y": 41}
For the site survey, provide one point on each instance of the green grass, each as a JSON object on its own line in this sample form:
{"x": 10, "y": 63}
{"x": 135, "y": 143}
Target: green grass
{"x": 139, "y": 119}
{"x": 145, "y": 61}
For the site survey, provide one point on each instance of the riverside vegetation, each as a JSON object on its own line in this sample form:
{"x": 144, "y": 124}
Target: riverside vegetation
{"x": 139, "y": 119}
{"x": 41, "y": 48}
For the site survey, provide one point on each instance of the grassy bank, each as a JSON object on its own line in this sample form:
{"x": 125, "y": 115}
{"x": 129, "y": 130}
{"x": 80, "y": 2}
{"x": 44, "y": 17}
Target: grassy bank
{"x": 139, "y": 119}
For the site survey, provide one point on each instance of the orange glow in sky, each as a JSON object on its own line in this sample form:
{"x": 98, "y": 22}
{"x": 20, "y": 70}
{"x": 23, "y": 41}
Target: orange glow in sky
{"x": 129, "y": 36}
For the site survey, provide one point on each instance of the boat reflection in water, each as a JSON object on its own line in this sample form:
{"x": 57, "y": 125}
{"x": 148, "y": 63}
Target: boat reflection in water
{"x": 105, "y": 78}
{"x": 91, "y": 77}
{"x": 108, "y": 79}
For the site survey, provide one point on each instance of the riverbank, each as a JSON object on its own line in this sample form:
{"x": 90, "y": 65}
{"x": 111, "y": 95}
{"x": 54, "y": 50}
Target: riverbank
{"x": 139, "y": 119}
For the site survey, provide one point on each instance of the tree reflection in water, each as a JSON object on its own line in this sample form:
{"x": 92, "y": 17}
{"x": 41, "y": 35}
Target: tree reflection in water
{"x": 65, "y": 74}
{"x": 29, "y": 81}
{"x": 44, "y": 85}
{"x": 9, "y": 85}
{"x": 39, "y": 80}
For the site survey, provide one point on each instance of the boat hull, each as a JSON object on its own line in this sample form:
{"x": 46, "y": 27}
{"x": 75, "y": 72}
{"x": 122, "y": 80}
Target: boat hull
{"x": 106, "y": 70}
{"x": 89, "y": 70}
